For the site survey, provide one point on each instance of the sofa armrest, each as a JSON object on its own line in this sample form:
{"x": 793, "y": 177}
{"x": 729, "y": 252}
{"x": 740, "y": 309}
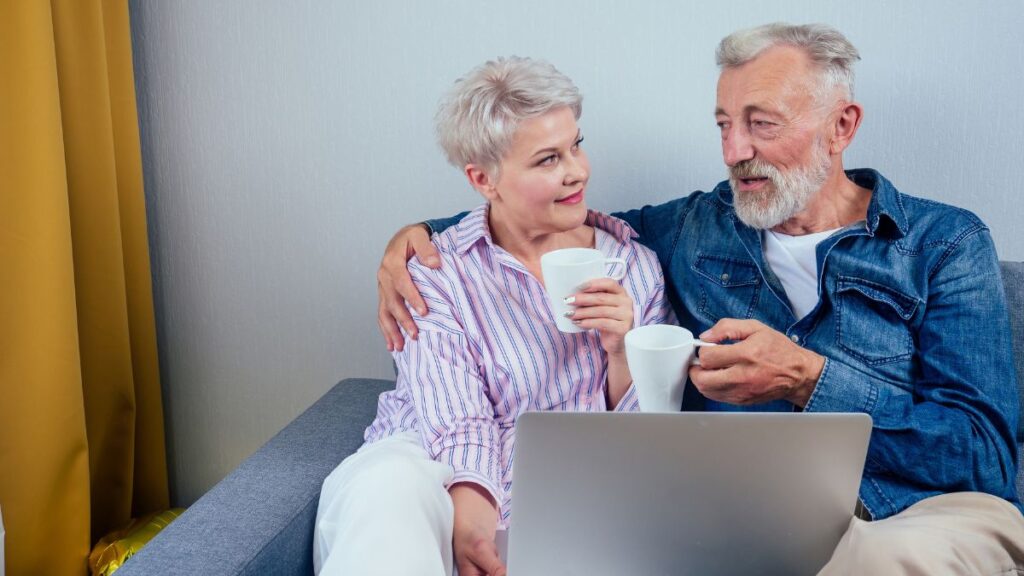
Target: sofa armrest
{"x": 259, "y": 519}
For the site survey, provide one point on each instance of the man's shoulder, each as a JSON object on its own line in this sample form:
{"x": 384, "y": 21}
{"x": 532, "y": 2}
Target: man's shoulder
{"x": 920, "y": 221}
{"x": 933, "y": 222}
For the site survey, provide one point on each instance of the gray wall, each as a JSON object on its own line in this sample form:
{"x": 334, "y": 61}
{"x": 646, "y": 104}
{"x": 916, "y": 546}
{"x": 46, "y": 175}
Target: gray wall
{"x": 285, "y": 140}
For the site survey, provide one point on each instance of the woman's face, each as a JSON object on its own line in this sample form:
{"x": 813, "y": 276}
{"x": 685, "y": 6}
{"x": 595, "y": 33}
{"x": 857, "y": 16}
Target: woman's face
{"x": 543, "y": 176}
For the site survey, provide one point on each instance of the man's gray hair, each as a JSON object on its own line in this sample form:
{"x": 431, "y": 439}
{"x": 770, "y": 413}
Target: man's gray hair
{"x": 478, "y": 118}
{"x": 827, "y": 48}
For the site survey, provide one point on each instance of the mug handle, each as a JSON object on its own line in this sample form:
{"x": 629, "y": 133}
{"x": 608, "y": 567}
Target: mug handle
{"x": 613, "y": 262}
{"x": 697, "y": 344}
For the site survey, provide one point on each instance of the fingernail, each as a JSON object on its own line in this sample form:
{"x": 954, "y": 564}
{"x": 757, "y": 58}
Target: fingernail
{"x": 431, "y": 260}
{"x": 422, "y": 311}
{"x": 569, "y": 300}
{"x": 570, "y": 313}
{"x": 705, "y": 334}
{"x": 577, "y": 321}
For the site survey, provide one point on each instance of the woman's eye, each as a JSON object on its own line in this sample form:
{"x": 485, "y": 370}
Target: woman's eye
{"x": 576, "y": 145}
{"x": 547, "y": 160}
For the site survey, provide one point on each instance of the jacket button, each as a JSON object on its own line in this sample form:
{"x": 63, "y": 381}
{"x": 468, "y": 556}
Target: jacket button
{"x": 794, "y": 338}
{"x": 725, "y": 277}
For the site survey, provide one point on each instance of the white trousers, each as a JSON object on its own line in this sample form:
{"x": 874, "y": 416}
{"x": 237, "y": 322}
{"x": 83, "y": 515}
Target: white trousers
{"x": 386, "y": 511}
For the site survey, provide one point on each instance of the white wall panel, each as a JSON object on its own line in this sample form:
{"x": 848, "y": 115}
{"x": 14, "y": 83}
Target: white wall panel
{"x": 284, "y": 141}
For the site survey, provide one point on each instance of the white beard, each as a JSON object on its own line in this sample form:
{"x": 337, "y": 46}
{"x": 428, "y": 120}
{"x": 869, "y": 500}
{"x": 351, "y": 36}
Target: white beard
{"x": 788, "y": 193}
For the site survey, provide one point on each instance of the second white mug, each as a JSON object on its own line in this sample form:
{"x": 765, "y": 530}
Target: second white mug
{"x": 659, "y": 358}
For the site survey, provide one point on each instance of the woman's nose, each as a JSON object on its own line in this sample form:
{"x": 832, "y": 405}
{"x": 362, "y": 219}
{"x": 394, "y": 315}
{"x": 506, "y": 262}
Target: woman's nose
{"x": 576, "y": 170}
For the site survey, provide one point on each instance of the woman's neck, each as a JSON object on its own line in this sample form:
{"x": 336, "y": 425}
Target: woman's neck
{"x": 528, "y": 245}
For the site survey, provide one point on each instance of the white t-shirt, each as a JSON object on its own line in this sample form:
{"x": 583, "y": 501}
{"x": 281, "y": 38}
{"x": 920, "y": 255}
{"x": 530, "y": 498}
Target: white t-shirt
{"x": 794, "y": 261}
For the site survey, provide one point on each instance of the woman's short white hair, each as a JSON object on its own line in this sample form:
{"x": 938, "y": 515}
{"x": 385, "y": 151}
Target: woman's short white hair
{"x": 478, "y": 118}
{"x": 827, "y": 48}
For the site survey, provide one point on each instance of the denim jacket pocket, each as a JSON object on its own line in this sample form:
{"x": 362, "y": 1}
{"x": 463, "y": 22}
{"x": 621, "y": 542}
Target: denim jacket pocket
{"x": 873, "y": 324}
{"x": 730, "y": 287}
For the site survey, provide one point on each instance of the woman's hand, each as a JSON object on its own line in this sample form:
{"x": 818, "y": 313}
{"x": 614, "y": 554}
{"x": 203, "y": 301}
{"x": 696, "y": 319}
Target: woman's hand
{"x": 476, "y": 522}
{"x": 395, "y": 286}
{"x": 604, "y": 305}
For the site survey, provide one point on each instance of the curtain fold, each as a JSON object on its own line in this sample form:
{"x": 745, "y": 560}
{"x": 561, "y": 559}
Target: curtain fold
{"x": 81, "y": 421}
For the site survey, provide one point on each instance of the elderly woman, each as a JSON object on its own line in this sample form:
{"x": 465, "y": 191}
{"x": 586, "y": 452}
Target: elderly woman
{"x": 431, "y": 484}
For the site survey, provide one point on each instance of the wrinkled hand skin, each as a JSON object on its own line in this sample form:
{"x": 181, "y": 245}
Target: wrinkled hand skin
{"x": 760, "y": 365}
{"x": 395, "y": 286}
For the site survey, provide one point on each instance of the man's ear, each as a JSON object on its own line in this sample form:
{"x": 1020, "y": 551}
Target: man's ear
{"x": 846, "y": 121}
{"x": 482, "y": 180}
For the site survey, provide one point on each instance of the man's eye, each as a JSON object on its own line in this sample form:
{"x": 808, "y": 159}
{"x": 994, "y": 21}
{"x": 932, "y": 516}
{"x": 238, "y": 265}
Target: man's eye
{"x": 576, "y": 146}
{"x": 761, "y": 124}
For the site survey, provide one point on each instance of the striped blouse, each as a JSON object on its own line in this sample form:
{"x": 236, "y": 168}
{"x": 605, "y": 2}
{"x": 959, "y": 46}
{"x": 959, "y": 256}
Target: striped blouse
{"x": 489, "y": 351}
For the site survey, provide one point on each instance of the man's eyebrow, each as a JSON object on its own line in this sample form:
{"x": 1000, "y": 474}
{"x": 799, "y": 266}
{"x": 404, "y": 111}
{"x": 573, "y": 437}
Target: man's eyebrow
{"x": 748, "y": 109}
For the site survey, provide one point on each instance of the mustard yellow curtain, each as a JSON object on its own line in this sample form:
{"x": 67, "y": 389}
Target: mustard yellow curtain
{"x": 81, "y": 422}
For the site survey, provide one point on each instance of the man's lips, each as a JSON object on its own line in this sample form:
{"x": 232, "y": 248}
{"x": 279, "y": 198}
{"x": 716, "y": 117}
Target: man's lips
{"x": 571, "y": 199}
{"x": 747, "y": 184}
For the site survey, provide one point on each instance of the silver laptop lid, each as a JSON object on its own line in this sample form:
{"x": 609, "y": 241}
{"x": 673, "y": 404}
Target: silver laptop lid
{"x": 687, "y": 493}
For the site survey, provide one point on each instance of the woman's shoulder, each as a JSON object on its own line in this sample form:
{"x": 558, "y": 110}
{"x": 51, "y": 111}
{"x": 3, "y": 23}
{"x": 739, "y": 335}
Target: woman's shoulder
{"x": 449, "y": 276}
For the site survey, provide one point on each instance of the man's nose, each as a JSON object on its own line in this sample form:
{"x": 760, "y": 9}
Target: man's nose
{"x": 736, "y": 146}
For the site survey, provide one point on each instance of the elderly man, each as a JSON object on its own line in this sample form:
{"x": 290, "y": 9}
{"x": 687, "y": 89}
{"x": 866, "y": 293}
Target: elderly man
{"x": 835, "y": 292}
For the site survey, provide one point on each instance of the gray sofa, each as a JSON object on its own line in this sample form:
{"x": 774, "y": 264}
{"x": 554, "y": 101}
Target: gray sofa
{"x": 259, "y": 520}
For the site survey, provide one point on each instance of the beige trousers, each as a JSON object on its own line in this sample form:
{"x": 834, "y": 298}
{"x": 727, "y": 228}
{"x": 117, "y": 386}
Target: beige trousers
{"x": 961, "y": 533}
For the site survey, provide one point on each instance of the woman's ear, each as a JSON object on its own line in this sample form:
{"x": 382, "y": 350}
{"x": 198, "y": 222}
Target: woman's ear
{"x": 482, "y": 180}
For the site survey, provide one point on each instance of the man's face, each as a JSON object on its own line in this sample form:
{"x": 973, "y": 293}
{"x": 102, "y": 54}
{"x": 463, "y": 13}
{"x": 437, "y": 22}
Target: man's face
{"x": 773, "y": 135}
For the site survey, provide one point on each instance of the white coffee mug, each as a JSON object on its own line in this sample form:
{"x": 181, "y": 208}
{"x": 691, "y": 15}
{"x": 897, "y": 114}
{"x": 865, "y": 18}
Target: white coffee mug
{"x": 566, "y": 270}
{"x": 659, "y": 357}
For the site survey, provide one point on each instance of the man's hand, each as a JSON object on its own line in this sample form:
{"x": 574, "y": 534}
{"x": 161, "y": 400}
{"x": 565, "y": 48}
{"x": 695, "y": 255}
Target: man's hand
{"x": 476, "y": 522}
{"x": 762, "y": 365}
{"x": 395, "y": 287}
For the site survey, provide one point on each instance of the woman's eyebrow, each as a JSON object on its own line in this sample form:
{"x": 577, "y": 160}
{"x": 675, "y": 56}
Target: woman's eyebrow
{"x": 550, "y": 149}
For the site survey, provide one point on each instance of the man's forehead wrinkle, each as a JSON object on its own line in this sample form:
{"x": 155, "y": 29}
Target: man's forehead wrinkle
{"x": 782, "y": 77}
{"x": 769, "y": 93}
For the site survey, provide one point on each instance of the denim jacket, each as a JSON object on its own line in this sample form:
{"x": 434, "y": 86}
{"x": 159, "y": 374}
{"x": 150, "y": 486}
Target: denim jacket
{"x": 911, "y": 319}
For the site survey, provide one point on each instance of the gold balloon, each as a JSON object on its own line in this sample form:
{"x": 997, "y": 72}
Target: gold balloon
{"x": 115, "y": 548}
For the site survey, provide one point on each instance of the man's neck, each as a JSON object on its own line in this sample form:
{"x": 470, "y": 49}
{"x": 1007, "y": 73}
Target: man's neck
{"x": 839, "y": 203}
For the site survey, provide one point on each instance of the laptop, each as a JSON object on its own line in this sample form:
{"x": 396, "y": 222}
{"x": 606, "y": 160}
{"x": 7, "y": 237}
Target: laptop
{"x": 682, "y": 493}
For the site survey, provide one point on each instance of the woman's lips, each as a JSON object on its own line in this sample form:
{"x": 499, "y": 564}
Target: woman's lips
{"x": 573, "y": 199}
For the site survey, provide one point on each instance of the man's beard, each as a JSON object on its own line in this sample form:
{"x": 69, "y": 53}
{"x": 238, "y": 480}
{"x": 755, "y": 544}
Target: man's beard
{"x": 785, "y": 197}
